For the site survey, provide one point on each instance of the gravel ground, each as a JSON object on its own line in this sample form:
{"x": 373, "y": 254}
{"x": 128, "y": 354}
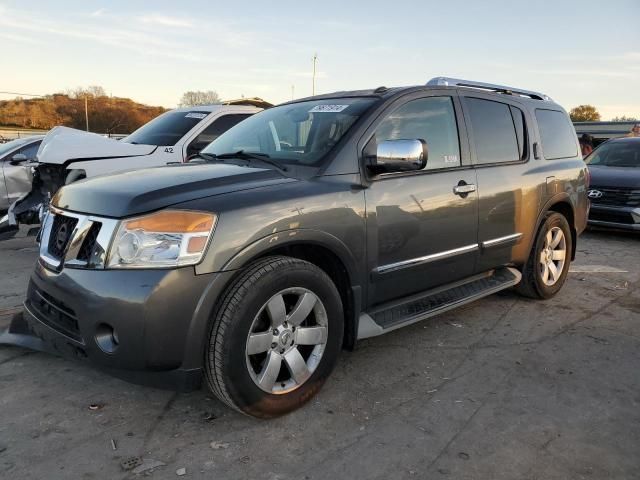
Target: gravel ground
{"x": 504, "y": 388}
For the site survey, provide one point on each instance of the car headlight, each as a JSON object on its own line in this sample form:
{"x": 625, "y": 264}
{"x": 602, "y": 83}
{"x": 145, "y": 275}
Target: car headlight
{"x": 169, "y": 238}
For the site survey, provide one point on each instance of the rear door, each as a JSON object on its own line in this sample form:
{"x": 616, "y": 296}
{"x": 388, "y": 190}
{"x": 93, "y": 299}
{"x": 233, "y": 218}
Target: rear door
{"x": 500, "y": 151}
{"x": 420, "y": 233}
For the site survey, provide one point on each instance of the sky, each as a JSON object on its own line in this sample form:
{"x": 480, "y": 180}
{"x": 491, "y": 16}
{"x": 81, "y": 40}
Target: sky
{"x": 577, "y": 52}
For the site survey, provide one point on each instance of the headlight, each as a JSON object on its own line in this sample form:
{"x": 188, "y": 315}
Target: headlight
{"x": 169, "y": 238}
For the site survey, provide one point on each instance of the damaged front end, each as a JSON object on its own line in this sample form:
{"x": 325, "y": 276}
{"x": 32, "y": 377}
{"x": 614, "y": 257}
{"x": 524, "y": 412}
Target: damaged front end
{"x": 30, "y": 209}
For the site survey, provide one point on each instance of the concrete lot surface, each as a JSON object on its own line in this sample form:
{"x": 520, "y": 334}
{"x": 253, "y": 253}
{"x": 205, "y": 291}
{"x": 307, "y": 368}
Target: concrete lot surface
{"x": 505, "y": 388}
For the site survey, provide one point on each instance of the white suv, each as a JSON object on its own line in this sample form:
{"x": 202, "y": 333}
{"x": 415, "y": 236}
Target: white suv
{"x": 67, "y": 155}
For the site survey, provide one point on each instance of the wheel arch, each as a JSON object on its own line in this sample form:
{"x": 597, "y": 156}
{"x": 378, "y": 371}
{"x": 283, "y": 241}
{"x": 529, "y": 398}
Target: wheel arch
{"x": 561, "y": 204}
{"x": 323, "y": 250}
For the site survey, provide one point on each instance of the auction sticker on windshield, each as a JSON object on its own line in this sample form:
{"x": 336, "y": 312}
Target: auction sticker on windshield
{"x": 196, "y": 115}
{"x": 328, "y": 108}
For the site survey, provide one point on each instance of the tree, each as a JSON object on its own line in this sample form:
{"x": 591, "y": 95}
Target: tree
{"x": 624, "y": 118}
{"x": 584, "y": 113}
{"x": 93, "y": 91}
{"x": 199, "y": 97}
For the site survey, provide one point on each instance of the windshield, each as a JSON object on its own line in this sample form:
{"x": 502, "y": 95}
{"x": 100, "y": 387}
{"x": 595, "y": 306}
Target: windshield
{"x": 7, "y": 147}
{"x": 299, "y": 133}
{"x": 166, "y": 129}
{"x": 616, "y": 154}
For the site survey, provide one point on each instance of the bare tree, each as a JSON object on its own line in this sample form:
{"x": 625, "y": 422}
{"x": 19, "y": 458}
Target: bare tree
{"x": 624, "y": 118}
{"x": 93, "y": 91}
{"x": 199, "y": 97}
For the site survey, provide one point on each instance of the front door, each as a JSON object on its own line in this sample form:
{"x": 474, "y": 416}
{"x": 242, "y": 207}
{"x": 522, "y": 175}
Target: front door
{"x": 422, "y": 225}
{"x": 18, "y": 177}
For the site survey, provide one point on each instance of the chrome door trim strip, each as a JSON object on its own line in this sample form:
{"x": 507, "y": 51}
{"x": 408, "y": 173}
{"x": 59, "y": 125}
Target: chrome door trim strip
{"x": 500, "y": 241}
{"x": 434, "y": 257}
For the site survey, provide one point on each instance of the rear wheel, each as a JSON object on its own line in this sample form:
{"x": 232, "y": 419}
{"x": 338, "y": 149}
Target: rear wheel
{"x": 548, "y": 265}
{"x": 275, "y": 337}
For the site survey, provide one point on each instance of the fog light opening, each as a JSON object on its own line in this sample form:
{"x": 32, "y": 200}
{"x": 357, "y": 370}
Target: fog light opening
{"x": 107, "y": 338}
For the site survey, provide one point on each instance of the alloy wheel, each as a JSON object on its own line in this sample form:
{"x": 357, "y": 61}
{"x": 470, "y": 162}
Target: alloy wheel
{"x": 553, "y": 256}
{"x": 286, "y": 340}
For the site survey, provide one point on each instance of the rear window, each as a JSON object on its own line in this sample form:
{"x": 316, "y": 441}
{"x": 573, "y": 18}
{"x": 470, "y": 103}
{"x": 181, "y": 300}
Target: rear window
{"x": 494, "y": 132}
{"x": 166, "y": 129}
{"x": 557, "y": 134}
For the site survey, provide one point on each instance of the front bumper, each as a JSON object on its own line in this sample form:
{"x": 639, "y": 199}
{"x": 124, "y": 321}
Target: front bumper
{"x": 624, "y": 218}
{"x": 160, "y": 318}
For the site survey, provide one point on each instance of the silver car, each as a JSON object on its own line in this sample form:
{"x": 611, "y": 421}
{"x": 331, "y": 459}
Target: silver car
{"x": 16, "y": 178}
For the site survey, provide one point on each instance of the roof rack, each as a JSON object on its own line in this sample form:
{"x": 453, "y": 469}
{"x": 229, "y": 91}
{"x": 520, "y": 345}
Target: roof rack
{"x": 458, "y": 82}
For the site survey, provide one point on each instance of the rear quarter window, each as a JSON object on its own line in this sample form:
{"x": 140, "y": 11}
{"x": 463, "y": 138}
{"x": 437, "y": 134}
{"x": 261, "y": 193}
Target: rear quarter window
{"x": 557, "y": 134}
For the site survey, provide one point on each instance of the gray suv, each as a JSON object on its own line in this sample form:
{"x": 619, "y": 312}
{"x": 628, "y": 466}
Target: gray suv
{"x": 303, "y": 229}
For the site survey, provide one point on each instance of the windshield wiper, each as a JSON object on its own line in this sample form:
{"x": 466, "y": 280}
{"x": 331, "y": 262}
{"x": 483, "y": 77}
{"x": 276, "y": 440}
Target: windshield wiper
{"x": 207, "y": 156}
{"x": 242, "y": 155}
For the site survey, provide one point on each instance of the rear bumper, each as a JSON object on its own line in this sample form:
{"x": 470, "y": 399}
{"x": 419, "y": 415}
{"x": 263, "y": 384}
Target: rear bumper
{"x": 625, "y": 218}
{"x": 160, "y": 318}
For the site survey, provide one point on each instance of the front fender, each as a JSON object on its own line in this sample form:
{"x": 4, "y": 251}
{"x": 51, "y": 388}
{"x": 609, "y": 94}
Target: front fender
{"x": 292, "y": 237}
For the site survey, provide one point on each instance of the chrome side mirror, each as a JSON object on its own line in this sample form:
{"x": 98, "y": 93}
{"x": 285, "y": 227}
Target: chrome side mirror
{"x": 401, "y": 155}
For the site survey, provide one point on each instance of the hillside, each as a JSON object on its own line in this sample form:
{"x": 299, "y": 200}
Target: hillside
{"x": 106, "y": 114}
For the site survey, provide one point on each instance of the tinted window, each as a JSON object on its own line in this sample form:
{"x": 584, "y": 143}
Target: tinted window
{"x": 494, "y": 133}
{"x": 430, "y": 119}
{"x": 616, "y": 154}
{"x": 521, "y": 131}
{"x": 557, "y": 134}
{"x": 166, "y": 129}
{"x": 213, "y": 131}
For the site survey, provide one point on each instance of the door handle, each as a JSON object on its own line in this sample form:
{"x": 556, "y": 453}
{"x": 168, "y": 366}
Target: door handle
{"x": 464, "y": 189}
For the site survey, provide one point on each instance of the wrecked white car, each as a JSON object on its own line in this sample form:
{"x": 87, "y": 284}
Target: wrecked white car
{"x": 15, "y": 178}
{"x": 67, "y": 155}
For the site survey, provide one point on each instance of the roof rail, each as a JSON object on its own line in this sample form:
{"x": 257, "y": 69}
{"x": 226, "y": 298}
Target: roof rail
{"x": 458, "y": 82}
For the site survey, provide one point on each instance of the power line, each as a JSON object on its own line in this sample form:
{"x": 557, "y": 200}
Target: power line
{"x": 22, "y": 94}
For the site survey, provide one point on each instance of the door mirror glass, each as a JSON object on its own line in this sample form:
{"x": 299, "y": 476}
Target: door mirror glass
{"x": 401, "y": 155}
{"x": 18, "y": 158}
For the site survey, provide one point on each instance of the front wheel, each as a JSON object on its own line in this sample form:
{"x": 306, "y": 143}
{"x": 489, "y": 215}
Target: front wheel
{"x": 275, "y": 337}
{"x": 548, "y": 265}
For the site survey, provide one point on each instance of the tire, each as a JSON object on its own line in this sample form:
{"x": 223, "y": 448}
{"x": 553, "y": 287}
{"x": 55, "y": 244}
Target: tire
{"x": 538, "y": 282}
{"x": 245, "y": 341}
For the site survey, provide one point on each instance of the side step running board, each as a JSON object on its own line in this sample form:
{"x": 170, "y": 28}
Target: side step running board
{"x": 394, "y": 315}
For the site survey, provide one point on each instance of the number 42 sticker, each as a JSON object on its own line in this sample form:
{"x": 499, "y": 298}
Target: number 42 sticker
{"x": 168, "y": 150}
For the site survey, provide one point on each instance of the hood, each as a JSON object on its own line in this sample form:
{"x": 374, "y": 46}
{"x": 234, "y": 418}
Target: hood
{"x": 140, "y": 191}
{"x": 62, "y": 144}
{"x": 625, "y": 177}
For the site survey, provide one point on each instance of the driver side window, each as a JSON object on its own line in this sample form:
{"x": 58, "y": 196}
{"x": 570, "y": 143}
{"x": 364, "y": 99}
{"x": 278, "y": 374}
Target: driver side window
{"x": 430, "y": 119}
{"x": 30, "y": 150}
{"x": 213, "y": 131}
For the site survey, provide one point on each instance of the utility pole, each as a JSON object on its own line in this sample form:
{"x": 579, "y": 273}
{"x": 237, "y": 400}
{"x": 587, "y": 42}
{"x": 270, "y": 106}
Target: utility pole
{"x": 293, "y": 90}
{"x": 315, "y": 60}
{"x": 86, "y": 112}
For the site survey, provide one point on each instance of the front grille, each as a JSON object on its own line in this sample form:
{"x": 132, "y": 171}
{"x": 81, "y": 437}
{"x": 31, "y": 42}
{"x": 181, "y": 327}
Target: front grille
{"x": 611, "y": 216}
{"x": 60, "y": 235}
{"x": 617, "y": 196}
{"x": 53, "y": 312}
{"x": 89, "y": 242}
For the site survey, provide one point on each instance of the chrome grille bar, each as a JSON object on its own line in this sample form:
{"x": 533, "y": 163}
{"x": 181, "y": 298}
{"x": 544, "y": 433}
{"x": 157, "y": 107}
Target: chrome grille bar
{"x": 77, "y": 237}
